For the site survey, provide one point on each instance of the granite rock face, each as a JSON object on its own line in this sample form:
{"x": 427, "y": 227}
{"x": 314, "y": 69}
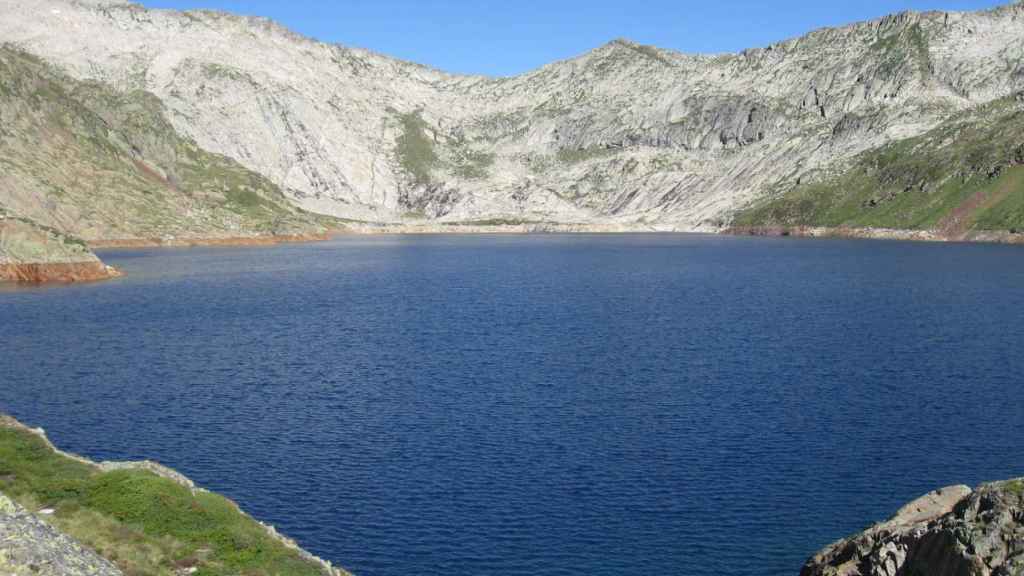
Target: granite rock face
{"x": 951, "y": 532}
{"x": 625, "y": 134}
{"x": 30, "y": 546}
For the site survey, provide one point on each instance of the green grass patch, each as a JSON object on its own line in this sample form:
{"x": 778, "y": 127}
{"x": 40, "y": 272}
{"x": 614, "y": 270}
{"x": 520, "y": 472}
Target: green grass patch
{"x": 1007, "y": 214}
{"x": 146, "y": 524}
{"x": 473, "y": 165}
{"x": 651, "y": 52}
{"x": 907, "y": 47}
{"x": 969, "y": 168}
{"x": 92, "y": 147}
{"x": 494, "y": 222}
{"x": 415, "y": 150}
{"x": 577, "y": 155}
{"x": 1015, "y": 487}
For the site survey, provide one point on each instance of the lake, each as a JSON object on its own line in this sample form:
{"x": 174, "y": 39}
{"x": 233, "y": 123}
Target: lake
{"x": 552, "y": 404}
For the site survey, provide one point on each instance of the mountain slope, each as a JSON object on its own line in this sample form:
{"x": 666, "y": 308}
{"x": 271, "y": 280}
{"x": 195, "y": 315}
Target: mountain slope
{"x": 964, "y": 177}
{"x": 102, "y": 164}
{"x": 624, "y": 134}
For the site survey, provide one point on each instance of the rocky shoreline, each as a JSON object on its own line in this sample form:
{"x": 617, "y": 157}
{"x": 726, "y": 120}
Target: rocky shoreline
{"x": 34, "y": 254}
{"x": 92, "y": 269}
{"x": 426, "y": 228}
{"x": 269, "y": 240}
{"x": 57, "y": 272}
{"x": 875, "y": 234}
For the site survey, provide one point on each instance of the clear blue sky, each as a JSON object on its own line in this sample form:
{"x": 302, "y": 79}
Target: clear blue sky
{"x": 504, "y": 37}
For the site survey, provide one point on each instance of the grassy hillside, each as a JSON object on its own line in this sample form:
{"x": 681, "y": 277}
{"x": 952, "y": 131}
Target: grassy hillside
{"x": 24, "y": 241}
{"x": 144, "y": 523}
{"x": 967, "y": 175}
{"x": 101, "y": 164}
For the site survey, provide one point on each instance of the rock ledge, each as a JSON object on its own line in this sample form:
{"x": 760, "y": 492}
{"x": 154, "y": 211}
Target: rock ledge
{"x": 950, "y": 532}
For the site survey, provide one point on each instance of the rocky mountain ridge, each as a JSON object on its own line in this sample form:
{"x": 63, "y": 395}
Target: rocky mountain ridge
{"x": 627, "y": 134}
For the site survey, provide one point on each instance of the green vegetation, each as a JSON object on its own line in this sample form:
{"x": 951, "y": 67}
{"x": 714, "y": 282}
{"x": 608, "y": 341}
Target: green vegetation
{"x": 650, "y": 52}
{"x": 1015, "y": 487}
{"x": 65, "y": 239}
{"x": 494, "y": 222}
{"x": 114, "y": 157}
{"x": 146, "y": 524}
{"x": 577, "y": 155}
{"x": 909, "y": 46}
{"x": 965, "y": 175}
{"x": 415, "y": 149}
{"x": 472, "y": 164}
{"x": 220, "y": 71}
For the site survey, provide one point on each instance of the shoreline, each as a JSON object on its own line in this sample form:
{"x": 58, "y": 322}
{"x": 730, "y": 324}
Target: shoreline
{"x": 892, "y": 234}
{"x": 163, "y": 472}
{"x": 39, "y": 273}
{"x": 440, "y": 229}
{"x": 207, "y": 241}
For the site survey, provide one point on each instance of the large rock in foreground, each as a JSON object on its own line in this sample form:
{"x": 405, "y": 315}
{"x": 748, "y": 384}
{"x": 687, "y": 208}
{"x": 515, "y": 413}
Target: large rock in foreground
{"x": 950, "y": 532}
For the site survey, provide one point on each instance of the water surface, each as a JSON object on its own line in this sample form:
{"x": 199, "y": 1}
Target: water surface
{"x": 599, "y": 405}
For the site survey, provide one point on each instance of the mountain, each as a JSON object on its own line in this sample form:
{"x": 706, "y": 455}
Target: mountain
{"x": 103, "y": 165}
{"x": 626, "y": 134}
{"x": 961, "y": 180}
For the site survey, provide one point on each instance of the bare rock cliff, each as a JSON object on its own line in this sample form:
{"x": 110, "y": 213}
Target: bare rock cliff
{"x": 626, "y": 134}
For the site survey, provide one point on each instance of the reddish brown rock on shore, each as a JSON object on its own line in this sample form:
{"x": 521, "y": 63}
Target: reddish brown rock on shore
{"x": 57, "y": 273}
{"x": 34, "y": 254}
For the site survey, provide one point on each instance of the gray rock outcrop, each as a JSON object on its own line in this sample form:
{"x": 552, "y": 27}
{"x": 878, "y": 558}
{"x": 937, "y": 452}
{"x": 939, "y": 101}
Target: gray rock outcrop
{"x": 951, "y": 532}
{"x": 29, "y": 546}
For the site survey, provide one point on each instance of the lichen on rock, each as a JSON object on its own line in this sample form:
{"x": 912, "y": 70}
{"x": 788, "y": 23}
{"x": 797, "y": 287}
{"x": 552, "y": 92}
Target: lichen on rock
{"x": 951, "y": 532}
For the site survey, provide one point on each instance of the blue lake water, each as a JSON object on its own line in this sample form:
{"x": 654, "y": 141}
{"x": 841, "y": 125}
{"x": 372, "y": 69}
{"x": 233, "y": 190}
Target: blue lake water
{"x": 585, "y": 405}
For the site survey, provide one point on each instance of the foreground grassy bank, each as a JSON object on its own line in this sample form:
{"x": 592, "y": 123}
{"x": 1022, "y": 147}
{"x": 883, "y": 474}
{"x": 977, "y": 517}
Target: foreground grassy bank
{"x": 145, "y": 519}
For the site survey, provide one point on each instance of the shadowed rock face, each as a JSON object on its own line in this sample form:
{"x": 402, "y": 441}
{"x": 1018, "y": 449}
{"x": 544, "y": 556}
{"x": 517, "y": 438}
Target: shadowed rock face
{"x": 951, "y": 532}
{"x": 623, "y": 134}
